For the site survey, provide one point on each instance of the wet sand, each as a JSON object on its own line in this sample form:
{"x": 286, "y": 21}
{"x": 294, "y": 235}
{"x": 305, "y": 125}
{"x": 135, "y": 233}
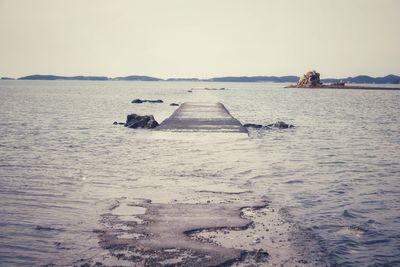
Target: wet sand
{"x": 240, "y": 232}
{"x": 163, "y": 236}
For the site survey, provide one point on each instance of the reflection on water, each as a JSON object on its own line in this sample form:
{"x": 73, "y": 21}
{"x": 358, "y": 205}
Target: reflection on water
{"x": 63, "y": 164}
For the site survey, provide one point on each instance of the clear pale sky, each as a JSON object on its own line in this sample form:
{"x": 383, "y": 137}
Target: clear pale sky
{"x": 199, "y": 38}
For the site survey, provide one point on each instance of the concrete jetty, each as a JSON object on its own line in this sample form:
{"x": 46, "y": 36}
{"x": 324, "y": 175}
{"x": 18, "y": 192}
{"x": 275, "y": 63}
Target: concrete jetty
{"x": 202, "y": 117}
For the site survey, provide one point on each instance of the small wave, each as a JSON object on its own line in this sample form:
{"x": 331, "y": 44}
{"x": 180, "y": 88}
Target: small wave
{"x": 245, "y": 172}
{"x": 358, "y": 228}
{"x": 47, "y": 228}
{"x": 295, "y": 182}
{"x": 257, "y": 177}
{"x": 352, "y": 231}
{"x": 331, "y": 162}
{"x": 377, "y": 241}
{"x": 348, "y": 214}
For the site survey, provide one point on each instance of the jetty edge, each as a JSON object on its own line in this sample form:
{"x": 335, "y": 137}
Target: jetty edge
{"x": 202, "y": 117}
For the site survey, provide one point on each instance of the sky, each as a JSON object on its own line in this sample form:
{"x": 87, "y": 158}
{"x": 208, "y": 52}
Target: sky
{"x": 199, "y": 38}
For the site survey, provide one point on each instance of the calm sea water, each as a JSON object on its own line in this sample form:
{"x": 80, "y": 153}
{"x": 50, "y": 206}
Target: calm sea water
{"x": 62, "y": 163}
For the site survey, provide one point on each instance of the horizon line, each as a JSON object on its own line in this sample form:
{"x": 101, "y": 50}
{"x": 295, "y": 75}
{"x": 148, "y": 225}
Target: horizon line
{"x": 193, "y": 78}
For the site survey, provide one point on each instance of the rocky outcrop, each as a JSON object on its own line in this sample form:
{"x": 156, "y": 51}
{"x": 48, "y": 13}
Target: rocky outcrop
{"x": 140, "y": 101}
{"x": 137, "y": 121}
{"x": 174, "y": 104}
{"x": 252, "y": 125}
{"x": 278, "y": 124}
{"x": 214, "y": 89}
{"x": 310, "y": 79}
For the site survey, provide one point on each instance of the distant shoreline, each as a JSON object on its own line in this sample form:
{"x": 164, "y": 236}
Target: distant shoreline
{"x": 360, "y": 79}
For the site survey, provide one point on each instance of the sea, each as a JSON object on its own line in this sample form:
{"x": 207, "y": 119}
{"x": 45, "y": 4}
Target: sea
{"x": 335, "y": 175}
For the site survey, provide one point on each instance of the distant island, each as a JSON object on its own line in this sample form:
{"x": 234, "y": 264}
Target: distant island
{"x": 312, "y": 79}
{"x": 55, "y": 77}
{"x": 389, "y": 79}
{"x": 136, "y": 78}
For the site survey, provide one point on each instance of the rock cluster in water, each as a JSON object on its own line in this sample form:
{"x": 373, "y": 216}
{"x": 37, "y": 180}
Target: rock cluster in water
{"x": 278, "y": 124}
{"x": 140, "y": 101}
{"x": 215, "y": 89}
{"x": 137, "y": 121}
{"x": 310, "y": 79}
{"x": 252, "y": 125}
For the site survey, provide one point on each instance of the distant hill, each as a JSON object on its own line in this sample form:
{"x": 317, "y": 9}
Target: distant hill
{"x": 183, "y": 79}
{"x": 389, "y": 79}
{"x": 149, "y": 78}
{"x": 256, "y": 79}
{"x": 137, "y": 78}
{"x": 54, "y": 77}
{"x": 89, "y": 78}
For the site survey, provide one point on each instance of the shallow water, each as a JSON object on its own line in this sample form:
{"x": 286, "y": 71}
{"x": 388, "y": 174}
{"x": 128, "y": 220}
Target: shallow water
{"x": 63, "y": 164}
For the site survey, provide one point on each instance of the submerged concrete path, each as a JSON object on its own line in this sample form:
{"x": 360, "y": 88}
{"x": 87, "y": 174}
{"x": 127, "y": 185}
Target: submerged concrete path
{"x": 202, "y": 117}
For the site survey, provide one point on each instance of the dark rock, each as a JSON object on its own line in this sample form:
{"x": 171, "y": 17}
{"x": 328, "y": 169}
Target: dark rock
{"x": 137, "y": 101}
{"x": 45, "y": 228}
{"x": 115, "y": 123}
{"x": 137, "y": 121}
{"x": 154, "y": 101}
{"x": 261, "y": 256}
{"x": 140, "y": 101}
{"x": 214, "y": 89}
{"x": 280, "y": 125}
{"x": 174, "y": 104}
{"x": 152, "y": 123}
{"x": 340, "y": 83}
{"x": 190, "y": 91}
{"x": 252, "y": 125}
